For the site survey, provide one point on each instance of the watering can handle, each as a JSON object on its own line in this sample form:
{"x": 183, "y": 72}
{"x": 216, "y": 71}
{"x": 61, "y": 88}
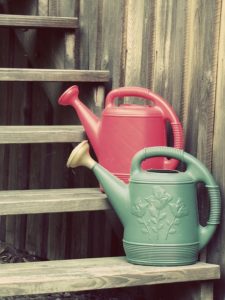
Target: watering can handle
{"x": 167, "y": 111}
{"x": 199, "y": 173}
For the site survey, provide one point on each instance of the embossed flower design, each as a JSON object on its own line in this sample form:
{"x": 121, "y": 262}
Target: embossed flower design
{"x": 159, "y": 198}
{"x": 138, "y": 208}
{"x": 159, "y": 211}
{"x": 178, "y": 208}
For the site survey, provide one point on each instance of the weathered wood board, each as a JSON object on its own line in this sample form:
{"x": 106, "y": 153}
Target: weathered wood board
{"x": 95, "y": 273}
{"x": 216, "y": 249}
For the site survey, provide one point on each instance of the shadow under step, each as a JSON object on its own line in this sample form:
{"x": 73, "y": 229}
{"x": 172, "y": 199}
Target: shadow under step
{"x": 41, "y": 134}
{"x": 53, "y": 75}
{"x": 92, "y": 274}
{"x": 15, "y": 202}
{"x": 26, "y": 21}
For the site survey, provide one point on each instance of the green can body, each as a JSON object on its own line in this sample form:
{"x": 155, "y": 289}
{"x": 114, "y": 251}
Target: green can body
{"x": 159, "y": 209}
{"x": 163, "y": 226}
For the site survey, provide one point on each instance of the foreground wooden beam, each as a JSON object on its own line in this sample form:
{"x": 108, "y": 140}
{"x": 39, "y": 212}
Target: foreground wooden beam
{"x": 92, "y": 274}
{"x": 54, "y": 75}
{"x": 52, "y": 200}
{"x": 25, "y": 21}
{"x": 41, "y": 134}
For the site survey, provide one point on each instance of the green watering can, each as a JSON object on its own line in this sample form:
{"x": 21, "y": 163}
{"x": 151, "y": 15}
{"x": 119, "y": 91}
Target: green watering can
{"x": 158, "y": 208}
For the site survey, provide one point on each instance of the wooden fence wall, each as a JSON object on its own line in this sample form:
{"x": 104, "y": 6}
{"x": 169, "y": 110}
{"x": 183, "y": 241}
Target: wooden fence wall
{"x": 174, "y": 47}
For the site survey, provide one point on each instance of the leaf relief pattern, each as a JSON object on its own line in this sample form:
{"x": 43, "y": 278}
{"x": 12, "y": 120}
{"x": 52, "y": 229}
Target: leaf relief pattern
{"x": 159, "y": 211}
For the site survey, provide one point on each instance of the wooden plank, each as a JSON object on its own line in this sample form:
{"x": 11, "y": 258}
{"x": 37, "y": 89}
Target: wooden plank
{"x": 26, "y": 21}
{"x": 40, "y": 134}
{"x": 39, "y": 170}
{"x": 110, "y": 28}
{"x": 92, "y": 274}
{"x": 51, "y": 200}
{"x": 199, "y": 81}
{"x": 13, "y": 74}
{"x": 138, "y": 35}
{"x": 100, "y": 24}
{"x": 15, "y": 113}
{"x": 168, "y": 51}
{"x": 6, "y": 88}
{"x": 63, "y": 48}
{"x": 18, "y": 166}
{"x": 216, "y": 248}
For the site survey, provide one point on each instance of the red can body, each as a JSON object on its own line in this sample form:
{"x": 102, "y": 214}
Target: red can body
{"x": 125, "y": 129}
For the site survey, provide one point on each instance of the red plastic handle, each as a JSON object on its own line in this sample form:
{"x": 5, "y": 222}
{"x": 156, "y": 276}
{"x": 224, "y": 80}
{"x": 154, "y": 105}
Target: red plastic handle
{"x": 167, "y": 110}
{"x": 130, "y": 91}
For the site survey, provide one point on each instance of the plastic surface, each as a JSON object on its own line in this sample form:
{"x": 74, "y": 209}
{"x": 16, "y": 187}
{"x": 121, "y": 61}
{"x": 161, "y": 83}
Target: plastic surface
{"x": 124, "y": 130}
{"x": 158, "y": 208}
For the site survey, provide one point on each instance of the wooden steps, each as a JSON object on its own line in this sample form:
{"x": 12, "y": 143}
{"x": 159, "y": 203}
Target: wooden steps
{"x": 55, "y": 75}
{"x": 81, "y": 274}
{"x": 17, "y": 202}
{"x": 41, "y": 134}
{"x": 26, "y": 21}
{"x": 92, "y": 274}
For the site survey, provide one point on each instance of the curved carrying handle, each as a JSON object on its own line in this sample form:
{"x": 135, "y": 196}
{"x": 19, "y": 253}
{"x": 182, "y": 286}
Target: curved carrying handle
{"x": 199, "y": 173}
{"x": 167, "y": 110}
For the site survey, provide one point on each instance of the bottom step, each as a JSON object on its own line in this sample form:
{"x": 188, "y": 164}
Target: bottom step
{"x": 92, "y": 274}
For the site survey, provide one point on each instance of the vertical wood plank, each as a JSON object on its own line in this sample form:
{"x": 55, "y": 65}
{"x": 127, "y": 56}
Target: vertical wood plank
{"x": 135, "y": 28}
{"x": 109, "y": 51}
{"x": 16, "y": 168}
{"x": 65, "y": 56}
{"x": 101, "y": 44}
{"x": 199, "y": 87}
{"x": 199, "y": 78}
{"x": 39, "y": 172}
{"x": 4, "y": 150}
{"x": 89, "y": 18}
{"x": 19, "y": 154}
{"x": 168, "y": 51}
{"x": 101, "y": 40}
{"x": 217, "y": 246}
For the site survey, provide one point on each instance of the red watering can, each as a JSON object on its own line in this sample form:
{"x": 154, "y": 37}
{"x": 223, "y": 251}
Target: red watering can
{"x": 125, "y": 129}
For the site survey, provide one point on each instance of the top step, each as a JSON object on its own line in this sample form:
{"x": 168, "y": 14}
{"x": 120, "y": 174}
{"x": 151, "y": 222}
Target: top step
{"x": 92, "y": 274}
{"x": 25, "y": 21}
{"x": 54, "y": 75}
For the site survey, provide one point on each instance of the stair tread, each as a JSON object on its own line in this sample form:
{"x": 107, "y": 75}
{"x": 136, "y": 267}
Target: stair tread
{"x": 62, "y": 75}
{"x": 41, "y": 134}
{"x": 14, "y": 202}
{"x": 92, "y": 274}
{"x": 26, "y": 21}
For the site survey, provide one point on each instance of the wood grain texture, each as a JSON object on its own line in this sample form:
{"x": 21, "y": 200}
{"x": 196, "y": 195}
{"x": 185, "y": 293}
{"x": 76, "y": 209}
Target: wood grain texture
{"x": 101, "y": 24}
{"x": 139, "y": 34}
{"x": 91, "y": 274}
{"x": 40, "y": 134}
{"x": 39, "y": 172}
{"x": 26, "y": 21}
{"x": 199, "y": 79}
{"x": 216, "y": 249}
{"x": 100, "y": 47}
{"x": 51, "y": 200}
{"x": 18, "y": 158}
{"x": 168, "y": 51}
{"x": 14, "y": 74}
{"x": 64, "y": 53}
